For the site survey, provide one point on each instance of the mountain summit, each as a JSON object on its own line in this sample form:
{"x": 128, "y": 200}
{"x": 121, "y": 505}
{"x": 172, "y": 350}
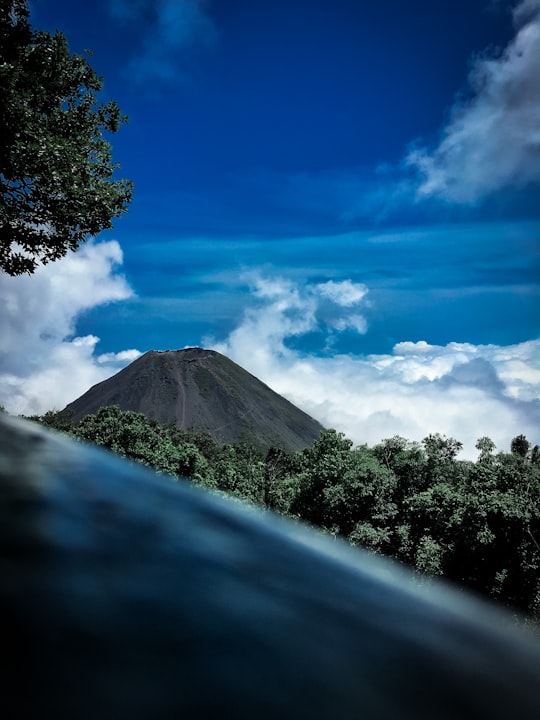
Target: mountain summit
{"x": 203, "y": 390}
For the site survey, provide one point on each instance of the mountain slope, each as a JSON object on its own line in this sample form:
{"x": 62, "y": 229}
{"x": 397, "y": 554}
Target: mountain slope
{"x": 203, "y": 390}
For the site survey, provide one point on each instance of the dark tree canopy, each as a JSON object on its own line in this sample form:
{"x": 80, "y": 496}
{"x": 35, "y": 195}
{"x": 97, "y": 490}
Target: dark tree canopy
{"x": 56, "y": 170}
{"x": 520, "y": 446}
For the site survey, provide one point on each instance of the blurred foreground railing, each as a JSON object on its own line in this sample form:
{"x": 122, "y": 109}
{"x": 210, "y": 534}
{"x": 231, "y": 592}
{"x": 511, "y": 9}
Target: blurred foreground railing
{"x": 125, "y": 594}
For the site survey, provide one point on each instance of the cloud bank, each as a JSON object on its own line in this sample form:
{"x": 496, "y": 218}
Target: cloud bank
{"x": 42, "y": 365}
{"x": 492, "y": 140}
{"x": 460, "y": 390}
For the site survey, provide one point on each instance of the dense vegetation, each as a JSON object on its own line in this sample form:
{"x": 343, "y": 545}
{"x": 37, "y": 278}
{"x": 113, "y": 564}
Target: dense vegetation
{"x": 57, "y": 185}
{"x": 476, "y": 523}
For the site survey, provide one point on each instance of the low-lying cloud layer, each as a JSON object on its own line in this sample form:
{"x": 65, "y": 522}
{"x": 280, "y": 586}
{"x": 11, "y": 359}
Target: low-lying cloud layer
{"x": 460, "y": 390}
{"x": 492, "y": 140}
{"x": 42, "y": 365}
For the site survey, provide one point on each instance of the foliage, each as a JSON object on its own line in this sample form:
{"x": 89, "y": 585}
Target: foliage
{"x": 55, "y": 419}
{"x": 281, "y": 472}
{"x": 475, "y": 523}
{"x": 346, "y": 491}
{"x": 56, "y": 172}
{"x": 239, "y": 471}
{"x": 134, "y": 436}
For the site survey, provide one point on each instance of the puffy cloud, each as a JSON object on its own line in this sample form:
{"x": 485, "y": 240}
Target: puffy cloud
{"x": 284, "y": 310}
{"x": 170, "y": 27}
{"x": 492, "y": 140}
{"x": 460, "y": 389}
{"x": 345, "y": 293}
{"x": 42, "y": 366}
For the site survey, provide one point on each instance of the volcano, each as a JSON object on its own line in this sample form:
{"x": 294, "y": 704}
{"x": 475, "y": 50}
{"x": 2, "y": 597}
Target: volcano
{"x": 203, "y": 390}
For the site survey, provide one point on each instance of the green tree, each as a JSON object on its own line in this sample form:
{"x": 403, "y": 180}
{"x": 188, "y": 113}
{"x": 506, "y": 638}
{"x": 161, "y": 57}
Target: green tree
{"x": 132, "y": 435}
{"x": 498, "y": 550}
{"x": 281, "y": 479}
{"x": 520, "y": 446}
{"x": 61, "y": 420}
{"x": 239, "y": 470}
{"x": 434, "y": 519}
{"x": 56, "y": 171}
{"x": 346, "y": 491}
{"x": 486, "y": 446}
{"x": 204, "y": 442}
{"x": 324, "y": 465}
{"x": 407, "y": 461}
{"x": 478, "y": 525}
{"x": 441, "y": 453}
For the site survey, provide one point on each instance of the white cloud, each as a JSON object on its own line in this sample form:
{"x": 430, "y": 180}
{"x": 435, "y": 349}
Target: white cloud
{"x": 460, "y": 390}
{"x": 126, "y": 356}
{"x": 345, "y": 293}
{"x": 284, "y": 310}
{"x": 358, "y": 323}
{"x": 42, "y": 366}
{"x": 492, "y": 140}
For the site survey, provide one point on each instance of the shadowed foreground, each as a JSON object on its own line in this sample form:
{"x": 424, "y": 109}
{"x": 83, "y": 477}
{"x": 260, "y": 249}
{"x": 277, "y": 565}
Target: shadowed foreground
{"x": 125, "y": 594}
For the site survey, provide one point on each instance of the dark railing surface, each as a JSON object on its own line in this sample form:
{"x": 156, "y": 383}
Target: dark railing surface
{"x": 127, "y": 595}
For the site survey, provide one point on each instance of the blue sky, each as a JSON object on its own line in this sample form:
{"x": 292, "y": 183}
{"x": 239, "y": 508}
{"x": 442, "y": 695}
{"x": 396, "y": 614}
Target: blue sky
{"x": 342, "y": 196}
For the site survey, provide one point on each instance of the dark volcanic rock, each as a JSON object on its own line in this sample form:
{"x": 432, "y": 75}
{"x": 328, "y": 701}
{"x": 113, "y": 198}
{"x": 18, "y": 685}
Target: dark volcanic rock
{"x": 203, "y": 390}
